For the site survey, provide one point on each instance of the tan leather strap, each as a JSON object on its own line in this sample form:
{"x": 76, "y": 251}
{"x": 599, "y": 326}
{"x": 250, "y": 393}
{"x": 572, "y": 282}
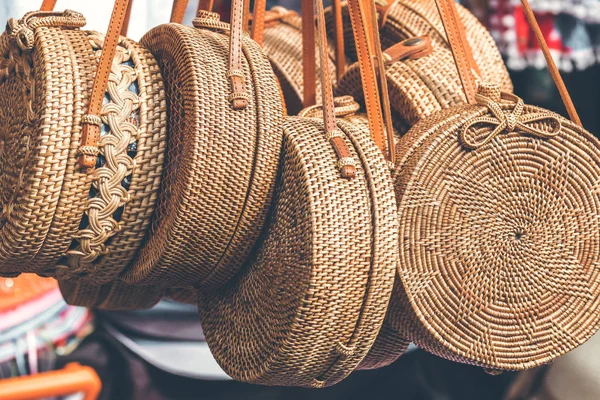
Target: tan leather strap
{"x": 90, "y": 135}
{"x": 461, "y": 50}
{"x": 383, "y": 8}
{"x": 309, "y": 71}
{"x": 362, "y": 27}
{"x": 206, "y": 5}
{"x": 178, "y": 10}
{"x": 125, "y": 26}
{"x": 346, "y": 162}
{"x": 258, "y": 21}
{"x": 408, "y": 49}
{"x": 340, "y": 50}
{"x": 554, "y": 72}
{"x": 48, "y": 5}
{"x": 239, "y": 96}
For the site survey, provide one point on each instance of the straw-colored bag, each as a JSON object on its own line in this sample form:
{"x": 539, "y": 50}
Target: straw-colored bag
{"x": 306, "y": 310}
{"x": 499, "y": 227}
{"x": 420, "y": 86}
{"x": 79, "y": 177}
{"x": 224, "y": 145}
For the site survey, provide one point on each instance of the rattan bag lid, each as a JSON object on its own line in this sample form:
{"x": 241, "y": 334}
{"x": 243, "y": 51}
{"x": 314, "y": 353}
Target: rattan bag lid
{"x": 498, "y": 209}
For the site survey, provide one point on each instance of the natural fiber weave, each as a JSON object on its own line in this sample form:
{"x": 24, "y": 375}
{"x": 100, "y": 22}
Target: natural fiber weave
{"x": 283, "y": 46}
{"x": 221, "y": 162}
{"x": 111, "y": 296}
{"x": 307, "y": 309}
{"x": 499, "y": 234}
{"x": 93, "y": 223}
{"x": 389, "y": 345}
{"x": 419, "y": 87}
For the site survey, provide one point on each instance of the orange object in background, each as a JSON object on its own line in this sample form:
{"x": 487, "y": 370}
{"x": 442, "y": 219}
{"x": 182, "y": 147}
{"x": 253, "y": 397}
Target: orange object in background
{"x": 23, "y": 288}
{"x": 74, "y": 378}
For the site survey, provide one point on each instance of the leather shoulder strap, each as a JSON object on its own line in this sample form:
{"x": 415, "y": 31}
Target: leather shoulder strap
{"x": 338, "y": 27}
{"x": 178, "y": 11}
{"x": 90, "y": 135}
{"x": 48, "y": 5}
{"x": 461, "y": 50}
{"x": 309, "y": 71}
{"x": 205, "y": 5}
{"x": 258, "y": 21}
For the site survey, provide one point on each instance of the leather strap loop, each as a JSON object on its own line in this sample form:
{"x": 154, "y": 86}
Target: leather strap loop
{"x": 410, "y": 49}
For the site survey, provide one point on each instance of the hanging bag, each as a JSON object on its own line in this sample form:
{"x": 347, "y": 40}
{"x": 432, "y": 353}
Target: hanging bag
{"x": 306, "y": 310}
{"x": 499, "y": 226}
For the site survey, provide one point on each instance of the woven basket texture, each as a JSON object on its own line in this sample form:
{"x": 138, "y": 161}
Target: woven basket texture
{"x": 283, "y": 46}
{"x": 498, "y": 239}
{"x": 88, "y": 225}
{"x": 422, "y": 86}
{"x": 221, "y": 164}
{"x": 307, "y": 309}
{"x": 389, "y": 346}
{"x": 114, "y": 295}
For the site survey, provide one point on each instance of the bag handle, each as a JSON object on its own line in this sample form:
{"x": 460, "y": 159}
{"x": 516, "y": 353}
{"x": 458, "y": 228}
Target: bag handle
{"x": 463, "y": 55}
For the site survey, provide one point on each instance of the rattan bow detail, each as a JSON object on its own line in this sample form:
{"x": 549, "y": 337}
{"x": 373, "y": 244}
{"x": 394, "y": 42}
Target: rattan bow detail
{"x": 22, "y": 30}
{"x": 506, "y": 118}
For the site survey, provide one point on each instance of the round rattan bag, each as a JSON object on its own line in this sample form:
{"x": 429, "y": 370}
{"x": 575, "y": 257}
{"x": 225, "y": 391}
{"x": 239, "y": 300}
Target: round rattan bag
{"x": 222, "y": 157}
{"x": 57, "y": 218}
{"x": 498, "y": 209}
{"x": 389, "y": 345}
{"x": 420, "y": 86}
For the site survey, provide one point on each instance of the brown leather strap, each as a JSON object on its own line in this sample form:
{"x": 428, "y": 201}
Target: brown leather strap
{"x": 346, "y": 162}
{"x": 125, "y": 26}
{"x": 361, "y": 25}
{"x": 461, "y": 51}
{"x": 408, "y": 49}
{"x": 258, "y": 21}
{"x": 205, "y": 5}
{"x": 48, "y": 5}
{"x": 554, "y": 72}
{"x": 239, "y": 96}
{"x": 340, "y": 50}
{"x": 88, "y": 149}
{"x": 383, "y": 8}
{"x": 178, "y": 10}
{"x": 309, "y": 72}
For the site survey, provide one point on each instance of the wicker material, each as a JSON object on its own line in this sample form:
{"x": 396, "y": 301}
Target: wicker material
{"x": 419, "y": 87}
{"x": 309, "y": 306}
{"x": 112, "y": 296}
{"x": 283, "y": 46}
{"x": 53, "y": 211}
{"x": 499, "y": 235}
{"x": 389, "y": 345}
{"x": 221, "y": 164}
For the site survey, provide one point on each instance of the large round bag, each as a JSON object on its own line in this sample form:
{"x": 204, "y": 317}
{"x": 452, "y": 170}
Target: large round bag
{"x": 421, "y": 86}
{"x": 499, "y": 232}
{"x": 59, "y": 218}
{"x": 309, "y": 305}
{"x": 224, "y": 145}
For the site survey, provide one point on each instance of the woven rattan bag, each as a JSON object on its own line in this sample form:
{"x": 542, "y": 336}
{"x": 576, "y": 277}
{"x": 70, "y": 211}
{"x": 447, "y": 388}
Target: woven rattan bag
{"x": 62, "y": 216}
{"x": 308, "y": 307}
{"x": 499, "y": 228}
{"x": 224, "y": 145}
{"x": 423, "y": 85}
{"x": 389, "y": 345}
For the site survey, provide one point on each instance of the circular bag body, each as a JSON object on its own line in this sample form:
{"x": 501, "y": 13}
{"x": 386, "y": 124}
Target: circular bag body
{"x": 421, "y": 86}
{"x": 221, "y": 163}
{"x": 389, "y": 345}
{"x": 57, "y": 218}
{"x": 499, "y": 232}
{"x": 283, "y": 45}
{"x": 307, "y": 309}
{"x": 114, "y": 295}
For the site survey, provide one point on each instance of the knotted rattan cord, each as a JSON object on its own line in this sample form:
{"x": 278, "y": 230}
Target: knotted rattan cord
{"x": 22, "y": 30}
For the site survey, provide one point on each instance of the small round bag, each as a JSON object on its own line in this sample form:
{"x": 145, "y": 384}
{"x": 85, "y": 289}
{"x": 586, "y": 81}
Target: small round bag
{"x": 60, "y": 218}
{"x": 224, "y": 145}
{"x": 499, "y": 229}
{"x": 309, "y": 305}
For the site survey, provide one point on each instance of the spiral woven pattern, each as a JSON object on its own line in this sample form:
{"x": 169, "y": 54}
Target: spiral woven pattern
{"x": 498, "y": 243}
{"x": 419, "y": 87}
{"x": 221, "y": 164}
{"x": 283, "y": 46}
{"x": 306, "y": 310}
